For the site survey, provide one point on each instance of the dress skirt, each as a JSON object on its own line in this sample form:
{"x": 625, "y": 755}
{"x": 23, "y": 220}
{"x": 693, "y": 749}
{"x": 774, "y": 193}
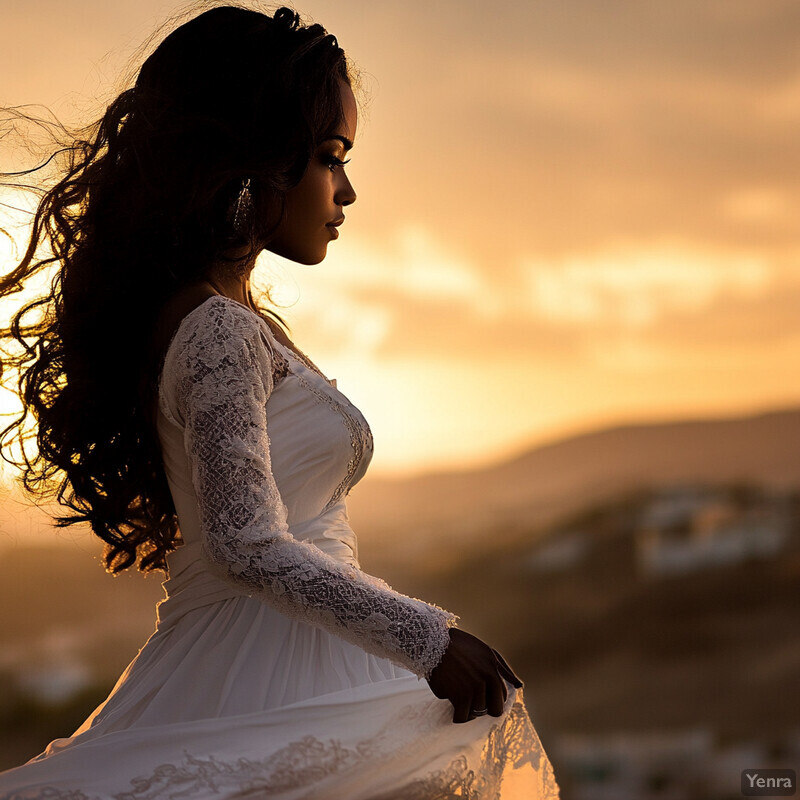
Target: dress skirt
{"x": 232, "y": 699}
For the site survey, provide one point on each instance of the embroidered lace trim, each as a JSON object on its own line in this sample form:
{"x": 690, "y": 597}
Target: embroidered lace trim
{"x": 221, "y": 373}
{"x": 511, "y": 744}
{"x": 359, "y": 440}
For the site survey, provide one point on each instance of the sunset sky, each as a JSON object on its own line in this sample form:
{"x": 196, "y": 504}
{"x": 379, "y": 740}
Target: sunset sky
{"x": 570, "y": 213}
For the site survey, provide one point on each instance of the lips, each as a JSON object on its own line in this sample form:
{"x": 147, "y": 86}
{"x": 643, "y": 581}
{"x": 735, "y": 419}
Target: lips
{"x": 332, "y": 226}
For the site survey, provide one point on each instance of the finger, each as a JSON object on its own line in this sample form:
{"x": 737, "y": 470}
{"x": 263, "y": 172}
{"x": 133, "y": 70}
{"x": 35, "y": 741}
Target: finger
{"x": 496, "y": 694}
{"x": 501, "y": 676}
{"x": 461, "y": 710}
{"x": 507, "y": 672}
{"x": 478, "y": 707}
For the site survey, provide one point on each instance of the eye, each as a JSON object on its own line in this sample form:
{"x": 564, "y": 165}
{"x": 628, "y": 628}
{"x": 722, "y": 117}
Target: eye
{"x": 334, "y": 162}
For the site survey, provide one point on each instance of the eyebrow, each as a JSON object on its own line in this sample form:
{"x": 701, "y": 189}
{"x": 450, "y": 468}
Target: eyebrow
{"x": 348, "y": 145}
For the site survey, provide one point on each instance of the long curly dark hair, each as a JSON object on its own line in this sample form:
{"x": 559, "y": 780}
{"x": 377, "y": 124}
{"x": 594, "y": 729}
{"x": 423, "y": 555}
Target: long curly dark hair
{"x": 141, "y": 209}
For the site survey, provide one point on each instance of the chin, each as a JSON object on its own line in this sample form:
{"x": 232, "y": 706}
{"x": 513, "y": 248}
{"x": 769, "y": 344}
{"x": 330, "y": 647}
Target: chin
{"x": 309, "y": 259}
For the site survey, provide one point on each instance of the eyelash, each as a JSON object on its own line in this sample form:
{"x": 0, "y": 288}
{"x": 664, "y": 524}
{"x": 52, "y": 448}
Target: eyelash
{"x": 334, "y": 162}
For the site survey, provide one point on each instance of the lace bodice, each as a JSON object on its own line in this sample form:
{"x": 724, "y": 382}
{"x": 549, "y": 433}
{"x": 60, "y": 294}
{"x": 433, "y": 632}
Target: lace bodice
{"x": 226, "y": 386}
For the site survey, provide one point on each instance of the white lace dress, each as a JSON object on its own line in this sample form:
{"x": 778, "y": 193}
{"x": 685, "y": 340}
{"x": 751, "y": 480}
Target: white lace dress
{"x": 278, "y": 669}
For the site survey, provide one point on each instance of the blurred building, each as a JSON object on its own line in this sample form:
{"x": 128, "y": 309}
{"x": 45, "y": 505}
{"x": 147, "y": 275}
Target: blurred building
{"x": 691, "y": 528}
{"x": 560, "y": 552}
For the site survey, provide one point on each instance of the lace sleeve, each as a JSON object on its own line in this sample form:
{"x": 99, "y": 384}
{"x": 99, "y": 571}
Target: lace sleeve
{"x": 223, "y": 378}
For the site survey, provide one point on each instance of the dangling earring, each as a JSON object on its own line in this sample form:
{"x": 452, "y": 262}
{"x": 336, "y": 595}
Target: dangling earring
{"x": 242, "y": 209}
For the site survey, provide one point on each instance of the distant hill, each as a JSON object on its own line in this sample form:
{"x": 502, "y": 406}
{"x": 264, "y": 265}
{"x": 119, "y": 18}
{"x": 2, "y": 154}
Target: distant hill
{"x": 423, "y": 516}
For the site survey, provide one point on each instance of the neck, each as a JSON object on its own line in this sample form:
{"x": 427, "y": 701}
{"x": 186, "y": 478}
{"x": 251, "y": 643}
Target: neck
{"x": 235, "y": 289}
{"x": 232, "y": 283}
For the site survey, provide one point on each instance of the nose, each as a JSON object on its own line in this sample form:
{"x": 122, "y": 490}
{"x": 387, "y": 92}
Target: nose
{"x": 345, "y": 194}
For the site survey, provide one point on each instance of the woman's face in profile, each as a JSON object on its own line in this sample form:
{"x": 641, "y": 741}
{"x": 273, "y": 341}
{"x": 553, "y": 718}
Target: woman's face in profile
{"x": 318, "y": 200}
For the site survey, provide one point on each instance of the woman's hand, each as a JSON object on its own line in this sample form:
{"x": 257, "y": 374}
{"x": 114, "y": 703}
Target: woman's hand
{"x": 472, "y": 677}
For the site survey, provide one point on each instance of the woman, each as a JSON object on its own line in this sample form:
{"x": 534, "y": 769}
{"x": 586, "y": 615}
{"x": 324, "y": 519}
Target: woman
{"x": 179, "y": 420}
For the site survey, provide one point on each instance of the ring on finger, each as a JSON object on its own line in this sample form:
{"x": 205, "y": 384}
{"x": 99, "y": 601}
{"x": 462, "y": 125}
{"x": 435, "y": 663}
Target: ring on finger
{"x": 480, "y": 712}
